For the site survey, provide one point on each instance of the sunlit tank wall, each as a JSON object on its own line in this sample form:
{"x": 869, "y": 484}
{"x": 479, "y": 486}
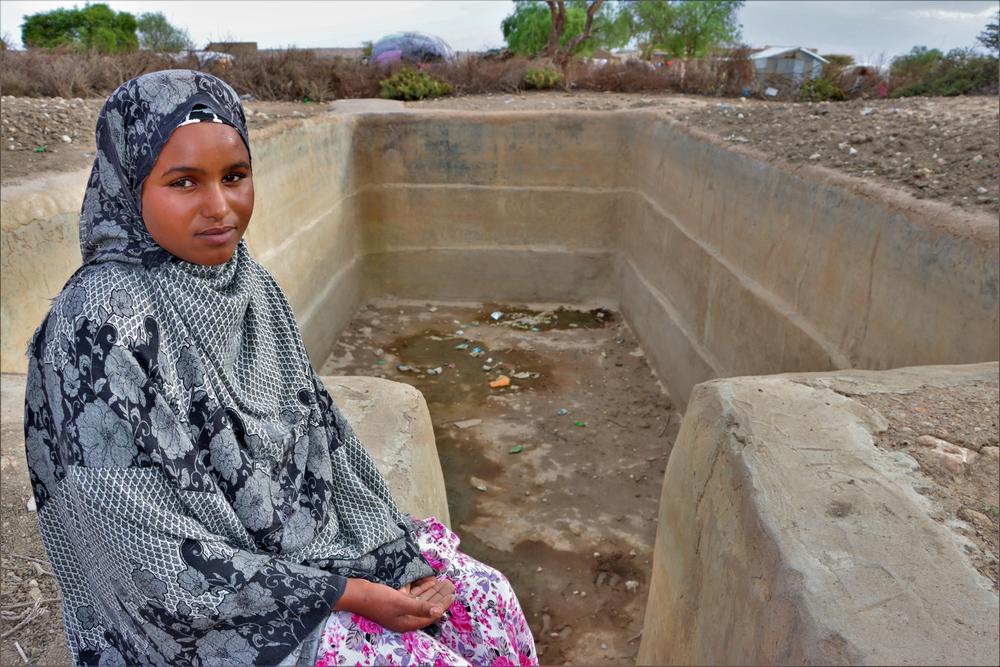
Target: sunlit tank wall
{"x": 723, "y": 264}
{"x": 731, "y": 266}
{"x": 492, "y": 207}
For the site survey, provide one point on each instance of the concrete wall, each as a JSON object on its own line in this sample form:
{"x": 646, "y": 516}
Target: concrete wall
{"x": 723, "y": 264}
{"x": 786, "y": 536}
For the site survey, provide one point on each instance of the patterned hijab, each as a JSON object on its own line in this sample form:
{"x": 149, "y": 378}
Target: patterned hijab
{"x": 199, "y": 494}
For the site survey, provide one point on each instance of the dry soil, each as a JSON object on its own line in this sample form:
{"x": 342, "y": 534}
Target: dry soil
{"x": 554, "y": 479}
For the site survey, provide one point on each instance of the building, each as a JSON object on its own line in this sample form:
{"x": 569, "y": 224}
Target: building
{"x": 784, "y": 64}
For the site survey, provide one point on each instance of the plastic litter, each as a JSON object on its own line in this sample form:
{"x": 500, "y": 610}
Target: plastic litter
{"x": 380, "y": 362}
{"x": 476, "y": 352}
{"x": 579, "y": 423}
{"x": 523, "y": 375}
{"x": 867, "y": 111}
{"x": 434, "y": 371}
{"x": 517, "y": 449}
{"x": 459, "y": 333}
{"x": 535, "y": 329}
{"x": 496, "y": 314}
{"x": 404, "y": 368}
{"x": 478, "y": 484}
{"x": 462, "y": 346}
{"x": 501, "y": 381}
{"x": 770, "y": 92}
{"x": 468, "y": 423}
{"x": 562, "y": 411}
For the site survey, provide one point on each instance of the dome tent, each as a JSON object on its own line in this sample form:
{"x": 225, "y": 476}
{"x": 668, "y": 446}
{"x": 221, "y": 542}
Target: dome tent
{"x": 411, "y": 47}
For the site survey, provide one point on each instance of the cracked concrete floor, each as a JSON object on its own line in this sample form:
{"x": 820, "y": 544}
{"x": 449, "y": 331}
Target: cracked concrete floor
{"x": 554, "y": 479}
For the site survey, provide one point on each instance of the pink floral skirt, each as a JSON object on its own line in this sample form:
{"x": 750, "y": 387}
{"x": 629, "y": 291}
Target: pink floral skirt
{"x": 485, "y": 626}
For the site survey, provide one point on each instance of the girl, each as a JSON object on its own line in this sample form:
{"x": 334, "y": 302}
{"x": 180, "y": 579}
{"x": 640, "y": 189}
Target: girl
{"x": 200, "y": 496}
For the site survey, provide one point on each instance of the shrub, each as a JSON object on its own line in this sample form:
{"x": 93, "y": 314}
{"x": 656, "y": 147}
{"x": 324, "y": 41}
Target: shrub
{"x": 821, "y": 90}
{"x": 960, "y": 72}
{"x": 409, "y": 84}
{"x": 541, "y": 77}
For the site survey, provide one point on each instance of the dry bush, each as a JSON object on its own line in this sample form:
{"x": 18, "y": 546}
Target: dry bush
{"x": 37, "y": 73}
{"x": 628, "y": 77}
{"x": 294, "y": 74}
{"x": 475, "y": 75}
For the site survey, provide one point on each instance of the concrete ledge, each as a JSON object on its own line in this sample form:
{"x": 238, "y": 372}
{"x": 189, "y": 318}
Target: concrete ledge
{"x": 390, "y": 418}
{"x": 786, "y": 537}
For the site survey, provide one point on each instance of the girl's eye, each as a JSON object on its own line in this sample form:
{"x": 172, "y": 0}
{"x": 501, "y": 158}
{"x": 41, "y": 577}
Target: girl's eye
{"x": 182, "y": 183}
{"x": 234, "y": 177}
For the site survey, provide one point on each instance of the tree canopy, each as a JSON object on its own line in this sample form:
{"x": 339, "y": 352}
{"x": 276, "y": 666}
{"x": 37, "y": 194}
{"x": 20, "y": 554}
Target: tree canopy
{"x": 684, "y": 28}
{"x": 990, "y": 36}
{"x": 91, "y": 28}
{"x": 157, "y": 34}
{"x": 528, "y": 27}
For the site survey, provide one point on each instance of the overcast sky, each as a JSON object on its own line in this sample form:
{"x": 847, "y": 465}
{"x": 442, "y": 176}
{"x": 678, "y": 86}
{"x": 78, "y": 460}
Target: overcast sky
{"x": 865, "y": 30}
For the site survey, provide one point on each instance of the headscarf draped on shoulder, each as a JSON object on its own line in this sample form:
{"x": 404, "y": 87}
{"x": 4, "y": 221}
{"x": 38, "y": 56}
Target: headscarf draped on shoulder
{"x": 200, "y": 496}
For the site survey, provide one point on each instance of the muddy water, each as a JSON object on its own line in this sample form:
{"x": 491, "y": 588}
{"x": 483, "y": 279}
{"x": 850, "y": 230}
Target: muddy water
{"x": 558, "y": 483}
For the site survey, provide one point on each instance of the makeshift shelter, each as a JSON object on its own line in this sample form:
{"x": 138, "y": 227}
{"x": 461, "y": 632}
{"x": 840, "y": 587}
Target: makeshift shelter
{"x": 411, "y": 47}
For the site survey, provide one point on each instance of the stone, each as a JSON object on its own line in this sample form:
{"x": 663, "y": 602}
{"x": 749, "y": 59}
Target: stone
{"x": 977, "y": 519}
{"x": 990, "y": 453}
{"x": 941, "y": 455}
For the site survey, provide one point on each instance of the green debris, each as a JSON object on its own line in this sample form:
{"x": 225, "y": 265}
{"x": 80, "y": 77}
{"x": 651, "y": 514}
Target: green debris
{"x": 578, "y": 423}
{"x": 40, "y": 149}
{"x": 517, "y": 449}
{"x": 380, "y": 362}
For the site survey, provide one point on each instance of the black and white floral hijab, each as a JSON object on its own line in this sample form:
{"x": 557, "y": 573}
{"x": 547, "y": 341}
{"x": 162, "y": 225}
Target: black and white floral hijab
{"x": 200, "y": 496}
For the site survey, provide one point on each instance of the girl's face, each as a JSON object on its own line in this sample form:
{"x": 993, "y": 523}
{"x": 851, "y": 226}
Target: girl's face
{"x": 198, "y": 198}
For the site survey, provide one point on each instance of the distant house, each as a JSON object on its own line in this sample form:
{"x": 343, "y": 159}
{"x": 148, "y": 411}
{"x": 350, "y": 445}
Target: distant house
{"x": 233, "y": 48}
{"x": 787, "y": 63}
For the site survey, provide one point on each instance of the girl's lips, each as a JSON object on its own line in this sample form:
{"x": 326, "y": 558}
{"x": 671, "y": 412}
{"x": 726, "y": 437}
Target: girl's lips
{"x": 220, "y": 236}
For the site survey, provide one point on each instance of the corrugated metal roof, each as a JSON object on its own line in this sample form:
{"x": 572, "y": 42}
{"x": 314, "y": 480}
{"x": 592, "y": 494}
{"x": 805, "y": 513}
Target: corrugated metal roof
{"x": 781, "y": 50}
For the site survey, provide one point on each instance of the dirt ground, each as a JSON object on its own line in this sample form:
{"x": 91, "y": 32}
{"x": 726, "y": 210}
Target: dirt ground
{"x": 945, "y": 149}
{"x": 25, "y": 573}
{"x": 952, "y": 435}
{"x": 554, "y": 479}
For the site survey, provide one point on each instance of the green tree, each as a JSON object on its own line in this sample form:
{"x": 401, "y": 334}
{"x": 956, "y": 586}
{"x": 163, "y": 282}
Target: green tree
{"x": 530, "y": 30}
{"x": 917, "y": 65}
{"x": 91, "y": 28}
{"x": 990, "y": 36}
{"x": 156, "y": 34}
{"x": 685, "y": 28}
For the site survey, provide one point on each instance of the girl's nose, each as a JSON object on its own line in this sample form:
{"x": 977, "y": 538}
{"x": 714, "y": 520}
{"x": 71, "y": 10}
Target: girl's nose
{"x": 214, "y": 204}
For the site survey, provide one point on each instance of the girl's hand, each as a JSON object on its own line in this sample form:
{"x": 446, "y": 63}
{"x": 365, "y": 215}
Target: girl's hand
{"x": 392, "y": 609}
{"x": 436, "y": 591}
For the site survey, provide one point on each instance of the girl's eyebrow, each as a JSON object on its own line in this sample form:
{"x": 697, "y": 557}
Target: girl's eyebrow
{"x": 242, "y": 164}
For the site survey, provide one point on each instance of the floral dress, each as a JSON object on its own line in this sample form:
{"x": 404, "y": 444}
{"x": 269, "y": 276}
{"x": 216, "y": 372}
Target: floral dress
{"x": 485, "y": 624}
